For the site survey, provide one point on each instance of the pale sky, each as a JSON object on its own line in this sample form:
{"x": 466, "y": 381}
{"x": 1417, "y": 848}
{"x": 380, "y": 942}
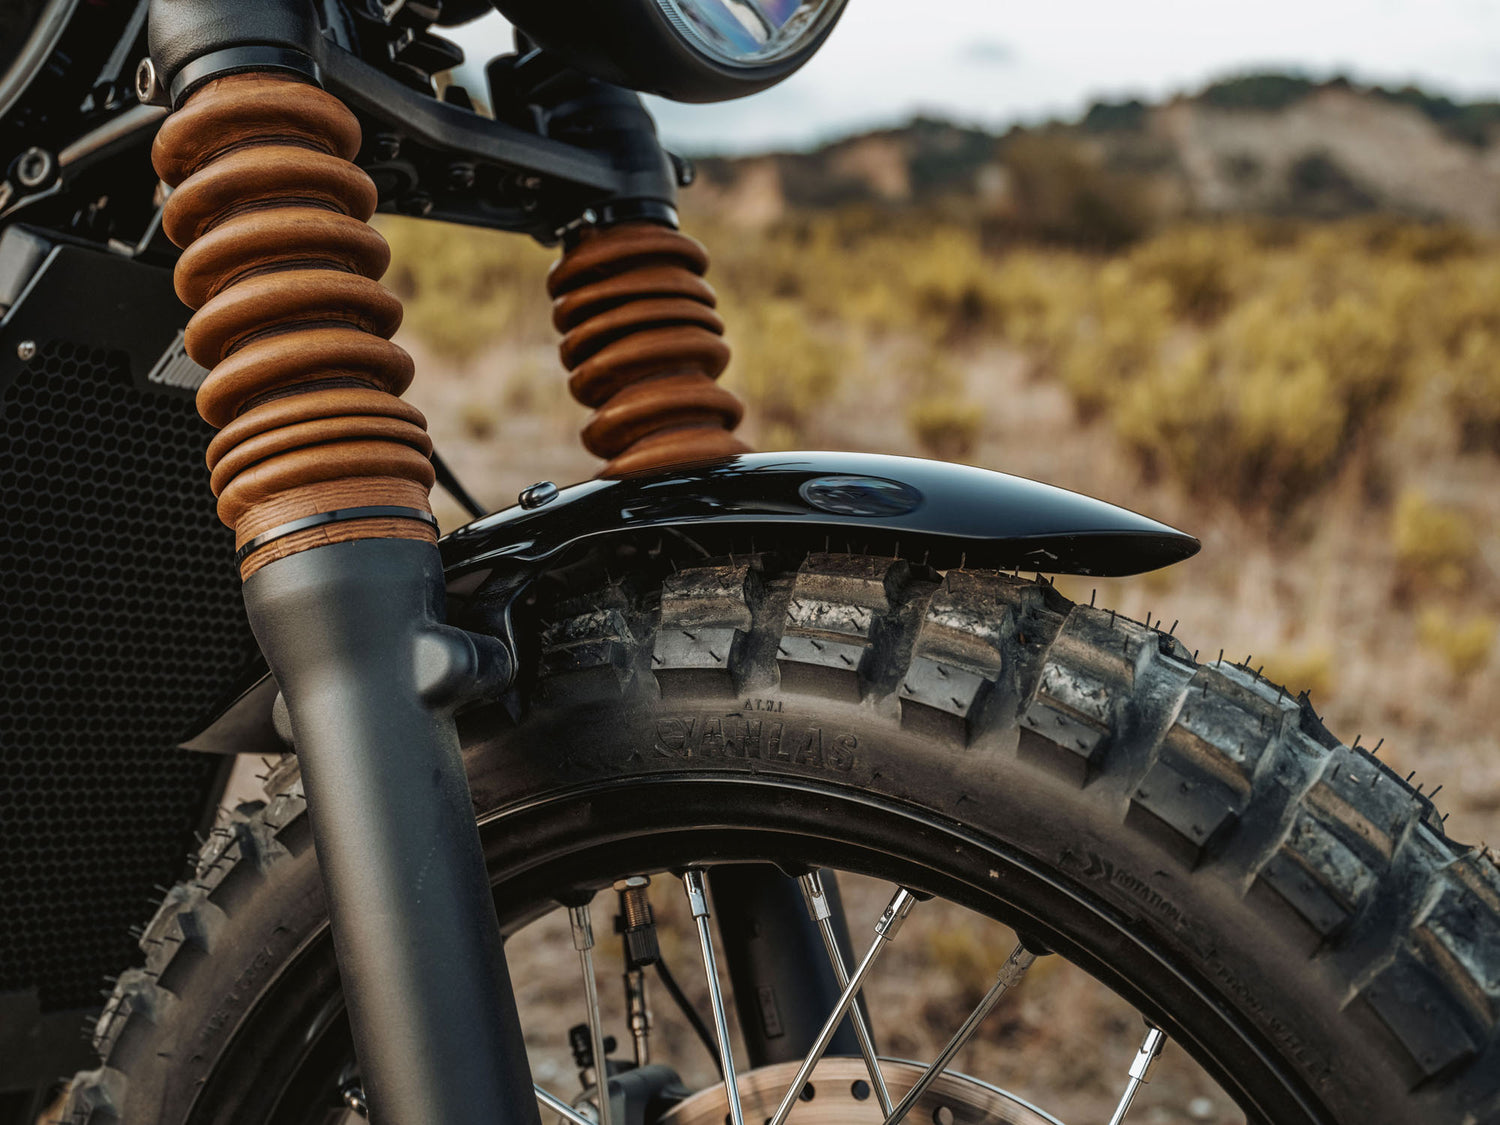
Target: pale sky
{"x": 995, "y": 62}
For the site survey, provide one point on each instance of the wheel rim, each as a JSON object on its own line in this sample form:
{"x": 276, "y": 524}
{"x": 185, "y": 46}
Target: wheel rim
{"x": 536, "y": 851}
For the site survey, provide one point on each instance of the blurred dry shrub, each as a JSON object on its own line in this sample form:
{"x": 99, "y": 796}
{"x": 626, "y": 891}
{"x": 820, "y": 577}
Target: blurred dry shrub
{"x": 1062, "y": 190}
{"x": 466, "y": 289}
{"x": 946, "y": 426}
{"x": 1302, "y": 669}
{"x": 783, "y": 365}
{"x": 964, "y": 957}
{"x": 1436, "y": 547}
{"x": 1463, "y": 645}
{"x": 478, "y": 420}
{"x": 1252, "y": 362}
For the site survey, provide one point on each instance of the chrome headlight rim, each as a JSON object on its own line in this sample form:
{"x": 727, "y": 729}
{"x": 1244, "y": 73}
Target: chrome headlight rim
{"x": 803, "y": 30}
{"x": 634, "y": 43}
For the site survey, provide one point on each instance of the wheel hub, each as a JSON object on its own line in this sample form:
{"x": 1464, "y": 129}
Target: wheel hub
{"x": 841, "y": 1095}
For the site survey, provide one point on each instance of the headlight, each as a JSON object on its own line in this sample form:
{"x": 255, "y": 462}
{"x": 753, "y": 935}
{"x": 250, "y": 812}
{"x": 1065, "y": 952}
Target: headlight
{"x": 749, "y": 33}
{"x": 689, "y": 50}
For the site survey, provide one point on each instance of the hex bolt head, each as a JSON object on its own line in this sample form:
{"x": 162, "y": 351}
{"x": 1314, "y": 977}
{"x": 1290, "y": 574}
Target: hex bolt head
{"x": 460, "y": 175}
{"x": 148, "y": 89}
{"x": 34, "y": 167}
{"x": 26, "y": 350}
{"x": 387, "y": 146}
{"x": 537, "y": 495}
{"x": 418, "y": 204}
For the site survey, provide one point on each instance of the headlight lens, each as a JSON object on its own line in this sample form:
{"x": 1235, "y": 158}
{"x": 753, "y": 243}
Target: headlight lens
{"x": 750, "y": 33}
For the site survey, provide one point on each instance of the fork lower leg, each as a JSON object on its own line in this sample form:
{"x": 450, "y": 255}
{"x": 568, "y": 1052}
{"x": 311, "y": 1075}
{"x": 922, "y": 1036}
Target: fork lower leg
{"x": 324, "y": 474}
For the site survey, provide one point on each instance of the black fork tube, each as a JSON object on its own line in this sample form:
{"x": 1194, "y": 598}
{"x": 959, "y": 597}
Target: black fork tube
{"x": 353, "y": 633}
{"x": 784, "y": 986}
{"x": 371, "y": 676}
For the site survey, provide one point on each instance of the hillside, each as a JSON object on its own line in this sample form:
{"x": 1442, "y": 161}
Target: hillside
{"x": 1258, "y": 145}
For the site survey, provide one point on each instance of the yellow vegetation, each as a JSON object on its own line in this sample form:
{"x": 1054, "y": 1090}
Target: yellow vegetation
{"x": 946, "y": 426}
{"x": 464, "y": 289}
{"x": 964, "y": 957}
{"x": 1435, "y": 546}
{"x": 1304, "y": 669}
{"x": 1250, "y": 361}
{"x": 783, "y": 365}
{"x": 1464, "y": 645}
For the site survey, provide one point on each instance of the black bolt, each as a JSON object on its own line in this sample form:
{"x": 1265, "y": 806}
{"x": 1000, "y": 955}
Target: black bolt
{"x": 387, "y": 146}
{"x": 418, "y": 204}
{"x": 460, "y": 175}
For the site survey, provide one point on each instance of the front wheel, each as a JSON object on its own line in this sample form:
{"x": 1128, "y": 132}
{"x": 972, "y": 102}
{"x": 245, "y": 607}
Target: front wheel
{"x": 1283, "y": 906}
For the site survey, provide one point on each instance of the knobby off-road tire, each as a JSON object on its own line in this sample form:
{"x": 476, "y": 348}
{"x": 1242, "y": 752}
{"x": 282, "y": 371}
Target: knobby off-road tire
{"x": 1286, "y": 906}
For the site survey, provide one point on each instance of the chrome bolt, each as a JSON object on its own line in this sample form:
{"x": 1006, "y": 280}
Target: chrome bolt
{"x": 34, "y": 167}
{"x": 538, "y": 495}
{"x": 26, "y": 349}
{"x": 148, "y": 87}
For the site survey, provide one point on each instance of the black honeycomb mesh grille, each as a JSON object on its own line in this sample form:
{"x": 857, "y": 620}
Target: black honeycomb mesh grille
{"x": 122, "y": 625}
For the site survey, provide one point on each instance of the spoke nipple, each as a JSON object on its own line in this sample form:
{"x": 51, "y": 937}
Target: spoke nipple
{"x": 692, "y": 882}
{"x": 814, "y": 895}
{"x": 583, "y": 927}
{"x": 895, "y": 914}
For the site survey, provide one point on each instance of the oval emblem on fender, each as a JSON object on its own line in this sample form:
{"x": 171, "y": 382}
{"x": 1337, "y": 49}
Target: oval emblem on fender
{"x": 860, "y": 496}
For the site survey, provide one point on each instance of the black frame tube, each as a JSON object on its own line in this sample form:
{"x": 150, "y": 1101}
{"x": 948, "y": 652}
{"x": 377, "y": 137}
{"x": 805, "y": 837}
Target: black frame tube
{"x": 354, "y": 634}
{"x": 783, "y": 985}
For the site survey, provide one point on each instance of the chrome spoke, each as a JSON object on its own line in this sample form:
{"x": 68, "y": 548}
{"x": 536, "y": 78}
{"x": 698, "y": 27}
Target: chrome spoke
{"x": 885, "y": 930}
{"x": 692, "y": 882}
{"x": 1140, "y": 1068}
{"x": 558, "y": 1106}
{"x": 583, "y": 941}
{"x": 817, "y": 907}
{"x": 1010, "y": 974}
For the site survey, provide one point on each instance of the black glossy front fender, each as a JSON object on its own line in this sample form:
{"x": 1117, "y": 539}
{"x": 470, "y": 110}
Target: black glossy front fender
{"x": 996, "y": 520}
{"x": 954, "y": 514}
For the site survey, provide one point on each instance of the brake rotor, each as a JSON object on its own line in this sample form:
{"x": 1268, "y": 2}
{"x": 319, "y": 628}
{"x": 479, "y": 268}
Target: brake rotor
{"x": 841, "y": 1095}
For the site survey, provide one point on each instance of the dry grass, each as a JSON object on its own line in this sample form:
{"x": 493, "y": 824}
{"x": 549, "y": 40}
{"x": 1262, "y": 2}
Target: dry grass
{"x": 1321, "y": 406}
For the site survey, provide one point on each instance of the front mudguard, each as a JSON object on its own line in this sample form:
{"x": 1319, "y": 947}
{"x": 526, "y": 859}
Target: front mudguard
{"x": 953, "y": 515}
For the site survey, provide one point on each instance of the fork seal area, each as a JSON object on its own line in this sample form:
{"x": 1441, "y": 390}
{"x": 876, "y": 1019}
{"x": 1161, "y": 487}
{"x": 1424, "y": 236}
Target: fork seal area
{"x": 354, "y": 633}
{"x": 376, "y": 511}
